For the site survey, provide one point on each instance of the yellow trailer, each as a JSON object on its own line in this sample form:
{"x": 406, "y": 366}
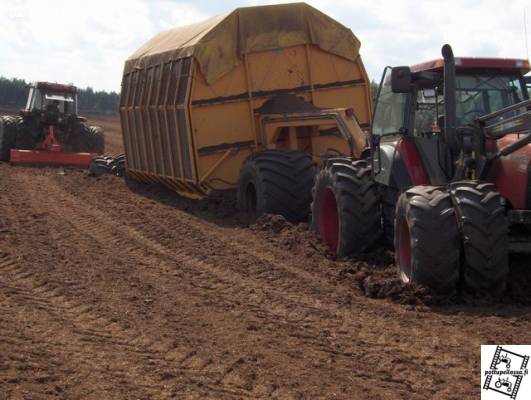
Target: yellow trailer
{"x": 202, "y": 103}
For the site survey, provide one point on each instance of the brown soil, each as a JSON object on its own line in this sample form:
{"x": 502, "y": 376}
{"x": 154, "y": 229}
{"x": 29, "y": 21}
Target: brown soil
{"x": 111, "y": 289}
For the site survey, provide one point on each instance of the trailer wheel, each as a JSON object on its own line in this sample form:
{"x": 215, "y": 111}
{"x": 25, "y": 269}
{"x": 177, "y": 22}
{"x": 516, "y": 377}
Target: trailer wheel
{"x": 485, "y": 236}
{"x": 277, "y": 182}
{"x": 96, "y": 139}
{"x": 7, "y": 136}
{"x": 427, "y": 243}
{"x": 346, "y": 211}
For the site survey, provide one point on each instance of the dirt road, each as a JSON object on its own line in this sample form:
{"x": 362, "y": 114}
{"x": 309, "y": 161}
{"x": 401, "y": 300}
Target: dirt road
{"x": 116, "y": 290}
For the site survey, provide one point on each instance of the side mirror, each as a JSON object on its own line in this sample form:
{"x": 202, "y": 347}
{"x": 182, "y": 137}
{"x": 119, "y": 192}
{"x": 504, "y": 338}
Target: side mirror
{"x": 400, "y": 79}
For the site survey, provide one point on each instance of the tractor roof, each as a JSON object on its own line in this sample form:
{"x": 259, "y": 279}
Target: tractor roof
{"x": 58, "y": 87}
{"x": 219, "y": 43}
{"x": 519, "y": 66}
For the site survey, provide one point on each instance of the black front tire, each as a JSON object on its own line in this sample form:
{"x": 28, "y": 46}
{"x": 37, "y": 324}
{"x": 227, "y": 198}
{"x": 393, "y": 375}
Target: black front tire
{"x": 427, "y": 240}
{"x": 485, "y": 236}
{"x": 277, "y": 182}
{"x": 346, "y": 210}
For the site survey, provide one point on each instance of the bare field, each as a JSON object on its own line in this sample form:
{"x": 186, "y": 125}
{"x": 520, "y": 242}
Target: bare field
{"x": 110, "y": 289}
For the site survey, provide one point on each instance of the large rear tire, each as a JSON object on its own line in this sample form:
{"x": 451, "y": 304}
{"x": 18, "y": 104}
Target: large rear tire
{"x": 277, "y": 182}
{"x": 7, "y": 136}
{"x": 427, "y": 241}
{"x": 346, "y": 209}
{"x": 485, "y": 236}
{"x": 96, "y": 139}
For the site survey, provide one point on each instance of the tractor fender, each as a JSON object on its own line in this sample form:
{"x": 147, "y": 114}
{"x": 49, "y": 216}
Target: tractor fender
{"x": 400, "y": 165}
{"x": 512, "y": 174}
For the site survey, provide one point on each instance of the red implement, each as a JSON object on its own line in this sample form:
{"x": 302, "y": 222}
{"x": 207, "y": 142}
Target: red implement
{"x": 50, "y": 152}
{"x": 44, "y": 157}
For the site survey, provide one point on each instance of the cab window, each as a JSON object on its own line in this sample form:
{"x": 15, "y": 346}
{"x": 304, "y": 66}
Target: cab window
{"x": 389, "y": 109}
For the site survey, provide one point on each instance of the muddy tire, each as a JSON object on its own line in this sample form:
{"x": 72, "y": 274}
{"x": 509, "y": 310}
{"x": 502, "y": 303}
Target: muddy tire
{"x": 100, "y": 165}
{"x": 277, "y": 182}
{"x": 485, "y": 236}
{"x": 96, "y": 139}
{"x": 346, "y": 210}
{"x": 118, "y": 166}
{"x": 427, "y": 241}
{"x": 7, "y": 136}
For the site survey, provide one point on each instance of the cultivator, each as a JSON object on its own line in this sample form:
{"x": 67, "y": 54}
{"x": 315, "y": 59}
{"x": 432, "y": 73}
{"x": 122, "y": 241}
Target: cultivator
{"x": 50, "y": 151}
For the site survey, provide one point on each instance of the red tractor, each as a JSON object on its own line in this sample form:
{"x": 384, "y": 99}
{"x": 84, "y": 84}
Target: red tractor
{"x": 49, "y": 130}
{"x": 446, "y": 177}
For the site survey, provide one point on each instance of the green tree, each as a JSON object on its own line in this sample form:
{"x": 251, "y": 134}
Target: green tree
{"x": 14, "y": 93}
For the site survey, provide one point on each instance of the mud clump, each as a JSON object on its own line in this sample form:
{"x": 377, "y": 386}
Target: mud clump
{"x": 272, "y": 223}
{"x": 380, "y": 281}
{"x": 298, "y": 238}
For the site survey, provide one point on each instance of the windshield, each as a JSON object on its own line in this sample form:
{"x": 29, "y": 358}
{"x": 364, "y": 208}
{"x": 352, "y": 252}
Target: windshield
{"x": 482, "y": 94}
{"x": 390, "y": 108}
{"x": 476, "y": 95}
{"x": 52, "y": 100}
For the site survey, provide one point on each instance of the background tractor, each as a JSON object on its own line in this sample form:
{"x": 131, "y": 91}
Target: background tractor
{"x": 49, "y": 130}
{"x": 446, "y": 178}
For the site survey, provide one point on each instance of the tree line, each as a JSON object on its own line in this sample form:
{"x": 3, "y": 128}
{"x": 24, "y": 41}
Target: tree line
{"x": 14, "y": 94}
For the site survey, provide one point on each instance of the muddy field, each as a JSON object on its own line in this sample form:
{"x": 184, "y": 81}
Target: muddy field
{"x": 111, "y": 289}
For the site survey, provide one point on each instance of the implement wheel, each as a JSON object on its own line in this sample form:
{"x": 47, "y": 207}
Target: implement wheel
{"x": 346, "y": 209}
{"x": 277, "y": 182}
{"x": 427, "y": 242}
{"x": 485, "y": 233}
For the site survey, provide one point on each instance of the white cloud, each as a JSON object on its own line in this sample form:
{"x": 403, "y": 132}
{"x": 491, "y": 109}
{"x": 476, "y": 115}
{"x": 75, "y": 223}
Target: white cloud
{"x": 81, "y": 42}
{"x": 87, "y": 42}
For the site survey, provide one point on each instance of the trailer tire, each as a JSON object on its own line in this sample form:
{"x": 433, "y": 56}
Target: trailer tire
{"x": 7, "y": 136}
{"x": 277, "y": 182}
{"x": 427, "y": 241}
{"x": 485, "y": 236}
{"x": 346, "y": 210}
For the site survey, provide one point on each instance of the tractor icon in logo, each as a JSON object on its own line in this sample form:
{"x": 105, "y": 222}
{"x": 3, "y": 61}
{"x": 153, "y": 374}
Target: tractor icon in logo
{"x": 504, "y": 382}
{"x": 504, "y": 359}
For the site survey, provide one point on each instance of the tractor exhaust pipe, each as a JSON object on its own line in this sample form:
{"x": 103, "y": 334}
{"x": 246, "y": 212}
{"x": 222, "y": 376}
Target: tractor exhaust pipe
{"x": 450, "y": 119}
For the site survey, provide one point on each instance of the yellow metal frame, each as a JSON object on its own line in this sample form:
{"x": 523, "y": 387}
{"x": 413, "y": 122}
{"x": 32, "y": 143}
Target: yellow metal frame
{"x": 223, "y": 122}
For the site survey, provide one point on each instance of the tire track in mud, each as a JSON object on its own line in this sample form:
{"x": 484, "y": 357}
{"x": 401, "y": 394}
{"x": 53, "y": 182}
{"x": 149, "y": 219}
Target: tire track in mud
{"x": 269, "y": 305}
{"x": 367, "y": 338}
{"x": 97, "y": 225}
{"x": 306, "y": 340}
{"x": 97, "y": 329}
{"x": 68, "y": 330}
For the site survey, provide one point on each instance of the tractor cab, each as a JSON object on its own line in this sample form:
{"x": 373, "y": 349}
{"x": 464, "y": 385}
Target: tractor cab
{"x": 52, "y": 97}
{"x": 409, "y": 119}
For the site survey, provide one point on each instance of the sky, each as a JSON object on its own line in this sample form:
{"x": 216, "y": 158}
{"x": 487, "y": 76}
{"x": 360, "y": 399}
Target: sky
{"x": 87, "y": 42}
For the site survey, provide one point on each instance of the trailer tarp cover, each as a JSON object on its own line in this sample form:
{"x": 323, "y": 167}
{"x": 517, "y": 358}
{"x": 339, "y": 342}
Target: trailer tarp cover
{"x": 219, "y": 43}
